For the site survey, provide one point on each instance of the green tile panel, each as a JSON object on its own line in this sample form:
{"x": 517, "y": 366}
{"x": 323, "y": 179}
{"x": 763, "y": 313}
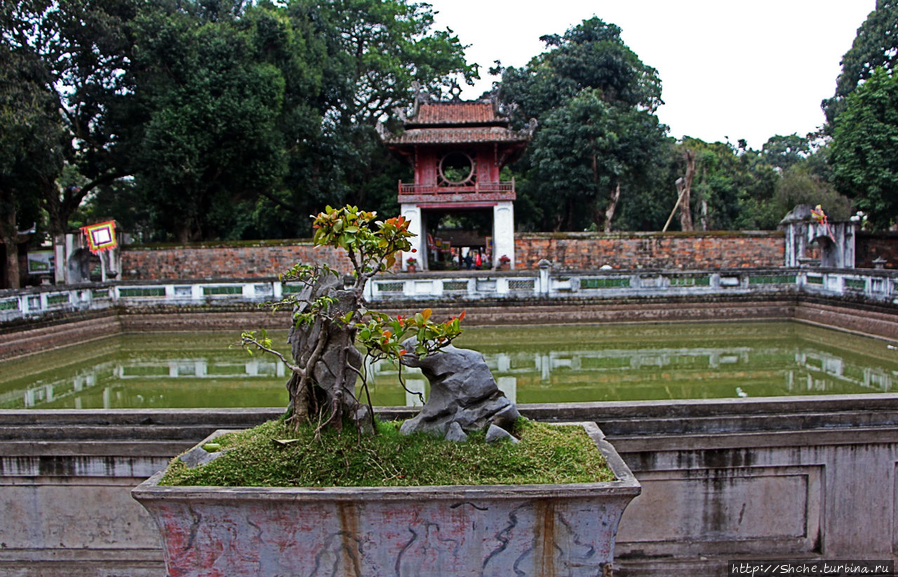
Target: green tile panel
{"x": 772, "y": 279}
{"x": 222, "y": 290}
{"x": 601, "y": 283}
{"x": 142, "y": 292}
{"x": 391, "y": 287}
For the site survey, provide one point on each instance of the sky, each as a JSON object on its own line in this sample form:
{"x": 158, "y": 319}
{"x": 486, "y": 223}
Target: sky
{"x": 729, "y": 69}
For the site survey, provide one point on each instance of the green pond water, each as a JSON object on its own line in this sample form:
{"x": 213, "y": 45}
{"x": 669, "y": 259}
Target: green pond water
{"x": 535, "y": 364}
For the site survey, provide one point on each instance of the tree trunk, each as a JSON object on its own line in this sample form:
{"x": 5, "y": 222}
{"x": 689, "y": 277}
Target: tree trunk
{"x": 325, "y": 351}
{"x": 684, "y": 189}
{"x": 612, "y": 206}
{"x": 11, "y": 242}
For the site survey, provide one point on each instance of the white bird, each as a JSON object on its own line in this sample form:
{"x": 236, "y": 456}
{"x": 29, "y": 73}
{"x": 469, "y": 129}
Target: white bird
{"x": 740, "y": 393}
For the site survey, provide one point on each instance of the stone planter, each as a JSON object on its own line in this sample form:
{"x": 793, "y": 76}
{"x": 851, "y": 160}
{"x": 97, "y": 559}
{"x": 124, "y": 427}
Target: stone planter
{"x": 497, "y": 530}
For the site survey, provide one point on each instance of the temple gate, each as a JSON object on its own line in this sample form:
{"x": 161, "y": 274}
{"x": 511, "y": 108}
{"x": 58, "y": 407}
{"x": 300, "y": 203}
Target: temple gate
{"x": 457, "y": 149}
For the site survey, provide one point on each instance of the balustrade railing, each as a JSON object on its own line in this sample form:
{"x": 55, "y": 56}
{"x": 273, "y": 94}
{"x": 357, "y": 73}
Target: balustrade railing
{"x": 874, "y": 285}
{"x": 475, "y": 188}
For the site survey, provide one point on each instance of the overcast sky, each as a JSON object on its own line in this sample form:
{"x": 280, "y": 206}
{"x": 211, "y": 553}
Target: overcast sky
{"x": 728, "y": 68}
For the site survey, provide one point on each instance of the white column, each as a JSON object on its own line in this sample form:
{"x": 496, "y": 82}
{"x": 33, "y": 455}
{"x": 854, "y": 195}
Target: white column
{"x": 503, "y": 232}
{"x": 419, "y": 242}
{"x": 69, "y": 251}
{"x": 59, "y": 259}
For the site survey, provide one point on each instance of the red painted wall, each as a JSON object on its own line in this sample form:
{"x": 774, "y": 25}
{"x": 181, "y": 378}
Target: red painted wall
{"x": 243, "y": 260}
{"x": 565, "y": 251}
{"x": 574, "y": 251}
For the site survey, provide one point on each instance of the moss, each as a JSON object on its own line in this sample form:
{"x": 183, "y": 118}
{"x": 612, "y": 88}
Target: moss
{"x": 545, "y": 455}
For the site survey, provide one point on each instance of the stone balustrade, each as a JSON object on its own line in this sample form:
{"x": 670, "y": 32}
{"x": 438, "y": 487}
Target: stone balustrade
{"x": 880, "y": 286}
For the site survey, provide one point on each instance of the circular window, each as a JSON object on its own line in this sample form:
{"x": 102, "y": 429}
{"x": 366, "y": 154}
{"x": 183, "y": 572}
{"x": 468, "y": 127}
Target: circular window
{"x": 456, "y": 168}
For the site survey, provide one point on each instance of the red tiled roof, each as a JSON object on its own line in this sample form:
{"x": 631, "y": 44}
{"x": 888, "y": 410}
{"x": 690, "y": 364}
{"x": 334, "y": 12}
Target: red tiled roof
{"x": 456, "y": 113}
{"x": 457, "y": 135}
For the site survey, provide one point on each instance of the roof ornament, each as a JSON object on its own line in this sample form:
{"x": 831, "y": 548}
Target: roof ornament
{"x": 498, "y": 108}
{"x": 455, "y": 91}
{"x": 422, "y": 96}
{"x": 530, "y": 128}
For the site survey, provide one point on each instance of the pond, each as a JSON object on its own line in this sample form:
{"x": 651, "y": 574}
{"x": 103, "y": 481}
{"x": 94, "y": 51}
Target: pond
{"x": 533, "y": 364}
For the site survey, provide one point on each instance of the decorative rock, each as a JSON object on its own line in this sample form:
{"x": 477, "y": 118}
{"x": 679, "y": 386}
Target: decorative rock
{"x": 199, "y": 456}
{"x": 506, "y": 417}
{"x": 462, "y": 391}
{"x": 455, "y": 433}
{"x": 496, "y": 434}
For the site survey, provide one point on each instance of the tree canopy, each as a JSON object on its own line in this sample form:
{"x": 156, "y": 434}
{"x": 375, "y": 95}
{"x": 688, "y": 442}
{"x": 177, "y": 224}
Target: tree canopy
{"x": 221, "y": 119}
{"x": 864, "y": 154}
{"x": 595, "y": 102}
{"x": 875, "y": 46}
{"x": 212, "y": 114}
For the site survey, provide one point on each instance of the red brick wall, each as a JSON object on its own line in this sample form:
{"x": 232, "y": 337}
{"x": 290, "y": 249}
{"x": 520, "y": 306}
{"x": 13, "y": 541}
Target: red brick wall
{"x": 567, "y": 251}
{"x": 242, "y": 260}
{"x": 870, "y": 246}
{"x": 576, "y": 251}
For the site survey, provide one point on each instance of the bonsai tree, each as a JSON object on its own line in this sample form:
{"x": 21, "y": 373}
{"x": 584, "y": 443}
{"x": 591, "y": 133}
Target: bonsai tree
{"x": 330, "y": 316}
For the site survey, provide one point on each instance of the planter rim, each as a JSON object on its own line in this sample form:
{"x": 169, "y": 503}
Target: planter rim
{"x": 625, "y": 485}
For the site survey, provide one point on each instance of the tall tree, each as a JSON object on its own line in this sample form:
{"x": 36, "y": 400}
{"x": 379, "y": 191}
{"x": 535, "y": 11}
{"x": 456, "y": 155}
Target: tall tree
{"x": 589, "y": 55}
{"x": 32, "y": 143}
{"x": 595, "y": 102}
{"x": 864, "y": 155}
{"x": 875, "y": 46}
{"x": 211, "y": 138}
{"x": 783, "y": 152}
{"x": 82, "y": 47}
{"x": 583, "y": 154}
{"x": 376, "y": 49}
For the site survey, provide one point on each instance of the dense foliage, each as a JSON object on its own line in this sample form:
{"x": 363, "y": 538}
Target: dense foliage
{"x": 862, "y": 119}
{"x": 195, "y": 120}
{"x": 601, "y": 160}
{"x": 875, "y": 46}
{"x": 864, "y": 152}
{"x": 595, "y": 102}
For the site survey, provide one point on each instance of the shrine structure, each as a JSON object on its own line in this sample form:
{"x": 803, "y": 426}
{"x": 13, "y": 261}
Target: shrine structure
{"x": 457, "y": 149}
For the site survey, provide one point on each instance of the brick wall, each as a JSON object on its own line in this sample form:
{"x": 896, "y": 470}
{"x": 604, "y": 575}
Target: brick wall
{"x": 572, "y": 251}
{"x": 243, "y": 260}
{"x": 870, "y": 246}
{"x": 575, "y": 251}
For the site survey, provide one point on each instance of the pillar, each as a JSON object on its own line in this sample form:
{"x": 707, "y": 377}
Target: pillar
{"x": 419, "y": 242}
{"x": 503, "y": 232}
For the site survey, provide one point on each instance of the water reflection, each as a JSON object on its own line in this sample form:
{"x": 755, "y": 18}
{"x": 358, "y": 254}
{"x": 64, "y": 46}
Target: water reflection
{"x": 531, "y": 365}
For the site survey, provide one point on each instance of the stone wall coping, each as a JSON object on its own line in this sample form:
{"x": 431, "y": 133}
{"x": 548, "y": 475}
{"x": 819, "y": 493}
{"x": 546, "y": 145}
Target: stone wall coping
{"x": 651, "y": 234}
{"x": 562, "y": 412}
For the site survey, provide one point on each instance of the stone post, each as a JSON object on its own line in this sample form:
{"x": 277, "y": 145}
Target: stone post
{"x": 503, "y": 232}
{"x": 419, "y": 242}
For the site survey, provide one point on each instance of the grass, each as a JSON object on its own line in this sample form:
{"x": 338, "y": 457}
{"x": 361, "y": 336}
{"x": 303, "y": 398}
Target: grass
{"x": 545, "y": 455}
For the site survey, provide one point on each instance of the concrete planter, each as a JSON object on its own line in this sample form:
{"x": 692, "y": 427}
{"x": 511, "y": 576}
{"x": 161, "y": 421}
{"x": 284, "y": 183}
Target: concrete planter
{"x": 498, "y": 530}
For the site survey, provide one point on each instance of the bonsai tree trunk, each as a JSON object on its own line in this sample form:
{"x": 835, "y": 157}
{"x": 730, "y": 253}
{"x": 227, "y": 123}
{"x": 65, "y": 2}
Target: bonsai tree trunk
{"x": 329, "y": 361}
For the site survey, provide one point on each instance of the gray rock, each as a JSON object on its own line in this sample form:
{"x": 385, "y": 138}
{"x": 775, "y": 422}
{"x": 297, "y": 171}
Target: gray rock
{"x": 199, "y": 456}
{"x": 462, "y": 392}
{"x": 496, "y": 434}
{"x": 455, "y": 433}
{"x": 506, "y": 417}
